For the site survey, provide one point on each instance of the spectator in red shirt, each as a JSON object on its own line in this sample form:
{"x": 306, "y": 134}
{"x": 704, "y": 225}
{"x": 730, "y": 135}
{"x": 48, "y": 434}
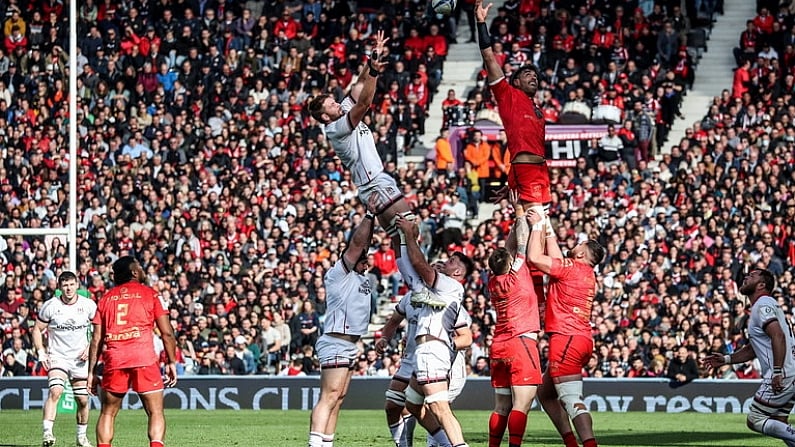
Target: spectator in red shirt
{"x": 764, "y": 22}
{"x": 13, "y": 301}
{"x": 437, "y": 41}
{"x": 287, "y": 24}
{"x": 386, "y": 262}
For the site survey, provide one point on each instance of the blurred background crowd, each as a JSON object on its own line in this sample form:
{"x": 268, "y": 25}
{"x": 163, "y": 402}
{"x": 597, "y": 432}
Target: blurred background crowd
{"x": 198, "y": 157}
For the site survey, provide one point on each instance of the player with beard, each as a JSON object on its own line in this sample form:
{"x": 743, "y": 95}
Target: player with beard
{"x": 772, "y": 342}
{"x": 347, "y": 317}
{"x": 572, "y": 286}
{"x": 524, "y": 128}
{"x": 67, "y": 322}
{"x": 515, "y": 364}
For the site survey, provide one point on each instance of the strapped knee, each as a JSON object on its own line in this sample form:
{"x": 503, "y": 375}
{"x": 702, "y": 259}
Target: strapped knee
{"x": 570, "y": 395}
{"x": 502, "y": 391}
{"x": 396, "y": 397}
{"x": 55, "y": 381}
{"x": 413, "y": 397}
{"x": 441, "y": 396}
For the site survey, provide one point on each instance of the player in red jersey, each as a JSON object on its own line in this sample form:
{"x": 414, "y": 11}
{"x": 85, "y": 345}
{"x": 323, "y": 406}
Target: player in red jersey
{"x": 524, "y": 124}
{"x": 124, "y": 325}
{"x": 515, "y": 365}
{"x": 522, "y": 119}
{"x": 572, "y": 286}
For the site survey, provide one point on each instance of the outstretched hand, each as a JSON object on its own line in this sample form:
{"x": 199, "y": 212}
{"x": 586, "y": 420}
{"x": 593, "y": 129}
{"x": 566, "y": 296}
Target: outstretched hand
{"x": 376, "y": 60}
{"x": 480, "y": 12}
{"x": 409, "y": 227}
{"x": 713, "y": 361}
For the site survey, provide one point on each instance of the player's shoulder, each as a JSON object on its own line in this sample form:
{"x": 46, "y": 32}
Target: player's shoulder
{"x": 47, "y": 307}
{"x": 765, "y": 307}
{"x": 87, "y": 302}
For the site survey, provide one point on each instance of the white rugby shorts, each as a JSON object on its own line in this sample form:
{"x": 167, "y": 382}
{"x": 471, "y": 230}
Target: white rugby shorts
{"x": 335, "y": 352}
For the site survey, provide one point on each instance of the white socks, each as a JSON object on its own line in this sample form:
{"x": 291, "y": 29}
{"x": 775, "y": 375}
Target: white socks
{"x": 398, "y": 432}
{"x": 47, "y": 425}
{"x": 408, "y": 433}
{"x": 778, "y": 429}
{"x": 82, "y": 429}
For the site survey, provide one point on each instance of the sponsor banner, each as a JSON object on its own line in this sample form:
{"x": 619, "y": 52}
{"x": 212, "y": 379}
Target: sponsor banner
{"x": 67, "y": 403}
{"x": 225, "y": 392}
{"x": 564, "y": 142}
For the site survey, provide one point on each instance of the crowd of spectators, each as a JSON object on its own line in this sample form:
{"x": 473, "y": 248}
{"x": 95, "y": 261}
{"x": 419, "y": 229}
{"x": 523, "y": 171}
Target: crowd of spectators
{"x": 197, "y": 157}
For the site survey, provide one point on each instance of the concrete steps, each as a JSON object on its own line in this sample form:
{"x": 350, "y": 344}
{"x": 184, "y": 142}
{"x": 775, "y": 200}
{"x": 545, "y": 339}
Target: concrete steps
{"x": 460, "y": 71}
{"x": 715, "y": 69}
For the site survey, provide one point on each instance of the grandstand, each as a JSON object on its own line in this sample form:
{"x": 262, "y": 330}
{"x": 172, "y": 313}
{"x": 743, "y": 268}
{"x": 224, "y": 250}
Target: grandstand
{"x": 197, "y": 156}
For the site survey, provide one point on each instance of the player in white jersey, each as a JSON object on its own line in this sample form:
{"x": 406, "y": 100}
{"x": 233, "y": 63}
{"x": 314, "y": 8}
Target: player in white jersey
{"x": 772, "y": 342}
{"x": 401, "y": 423}
{"x": 354, "y": 145}
{"x": 440, "y": 332}
{"x": 347, "y": 318}
{"x": 67, "y": 320}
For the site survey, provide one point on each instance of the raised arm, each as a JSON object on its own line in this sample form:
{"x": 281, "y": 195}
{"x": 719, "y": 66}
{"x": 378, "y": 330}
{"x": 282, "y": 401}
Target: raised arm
{"x": 417, "y": 259}
{"x": 360, "y": 240}
{"x": 553, "y": 249}
{"x": 537, "y": 242}
{"x": 520, "y": 231}
{"x": 484, "y": 41}
{"x": 367, "y": 79}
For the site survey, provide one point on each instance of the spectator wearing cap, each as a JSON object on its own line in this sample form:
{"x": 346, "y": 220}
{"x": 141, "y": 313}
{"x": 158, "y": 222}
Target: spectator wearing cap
{"x": 243, "y": 353}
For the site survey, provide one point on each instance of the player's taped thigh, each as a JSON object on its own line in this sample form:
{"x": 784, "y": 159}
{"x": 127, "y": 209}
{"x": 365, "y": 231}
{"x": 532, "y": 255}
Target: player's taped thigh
{"x": 414, "y": 397}
{"x": 80, "y": 391}
{"x": 570, "y": 395}
{"x": 441, "y": 396}
{"x": 396, "y": 397}
{"x": 541, "y": 210}
{"x": 756, "y": 419}
{"x": 56, "y": 381}
{"x": 503, "y": 391}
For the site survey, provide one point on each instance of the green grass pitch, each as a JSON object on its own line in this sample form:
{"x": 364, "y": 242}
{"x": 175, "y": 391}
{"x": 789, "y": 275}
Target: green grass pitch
{"x": 359, "y": 428}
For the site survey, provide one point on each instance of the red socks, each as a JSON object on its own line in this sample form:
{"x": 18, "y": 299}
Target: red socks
{"x": 590, "y": 443}
{"x": 497, "y": 424}
{"x": 517, "y": 422}
{"x": 103, "y": 445}
{"x": 569, "y": 440}
{"x": 155, "y": 443}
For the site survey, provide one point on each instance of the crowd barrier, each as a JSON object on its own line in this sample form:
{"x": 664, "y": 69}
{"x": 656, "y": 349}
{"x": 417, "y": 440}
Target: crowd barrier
{"x": 225, "y": 392}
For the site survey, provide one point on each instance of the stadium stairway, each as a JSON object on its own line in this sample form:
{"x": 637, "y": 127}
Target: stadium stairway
{"x": 715, "y": 69}
{"x": 460, "y": 72}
